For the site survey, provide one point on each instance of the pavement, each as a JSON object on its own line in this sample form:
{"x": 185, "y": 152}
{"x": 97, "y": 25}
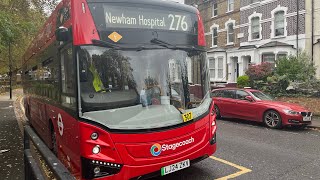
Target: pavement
{"x": 315, "y": 122}
{"x": 11, "y": 141}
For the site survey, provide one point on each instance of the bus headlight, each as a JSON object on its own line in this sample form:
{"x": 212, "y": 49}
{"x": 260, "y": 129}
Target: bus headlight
{"x": 96, "y": 149}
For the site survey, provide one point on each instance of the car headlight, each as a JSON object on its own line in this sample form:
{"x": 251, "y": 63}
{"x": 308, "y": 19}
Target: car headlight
{"x": 288, "y": 111}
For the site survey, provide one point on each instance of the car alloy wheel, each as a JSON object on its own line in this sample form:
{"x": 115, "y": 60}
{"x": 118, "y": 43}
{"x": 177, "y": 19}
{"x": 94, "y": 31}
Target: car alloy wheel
{"x": 272, "y": 119}
{"x": 217, "y": 110}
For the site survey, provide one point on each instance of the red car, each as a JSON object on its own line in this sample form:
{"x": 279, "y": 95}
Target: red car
{"x": 254, "y": 105}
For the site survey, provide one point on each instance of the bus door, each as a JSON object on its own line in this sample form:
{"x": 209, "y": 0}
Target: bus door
{"x": 68, "y": 128}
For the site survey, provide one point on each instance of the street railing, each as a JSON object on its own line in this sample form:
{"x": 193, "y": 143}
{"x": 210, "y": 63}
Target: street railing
{"x": 32, "y": 169}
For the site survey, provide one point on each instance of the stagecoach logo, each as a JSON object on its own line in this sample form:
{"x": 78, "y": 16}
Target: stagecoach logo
{"x": 60, "y": 124}
{"x": 156, "y": 149}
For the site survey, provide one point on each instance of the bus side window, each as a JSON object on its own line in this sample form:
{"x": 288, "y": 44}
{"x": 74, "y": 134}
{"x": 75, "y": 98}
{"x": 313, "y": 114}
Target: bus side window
{"x": 51, "y": 78}
{"x": 68, "y": 78}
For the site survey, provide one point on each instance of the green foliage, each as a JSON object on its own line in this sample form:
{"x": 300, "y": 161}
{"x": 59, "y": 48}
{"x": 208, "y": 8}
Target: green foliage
{"x": 277, "y": 84}
{"x": 296, "y": 68}
{"x": 243, "y": 81}
{"x": 20, "y": 20}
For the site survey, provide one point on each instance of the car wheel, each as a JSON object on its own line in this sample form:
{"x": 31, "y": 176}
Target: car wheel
{"x": 272, "y": 119}
{"x": 217, "y": 110}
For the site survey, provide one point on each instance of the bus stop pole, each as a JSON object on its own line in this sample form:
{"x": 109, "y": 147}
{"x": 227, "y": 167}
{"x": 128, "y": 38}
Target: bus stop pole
{"x": 10, "y": 70}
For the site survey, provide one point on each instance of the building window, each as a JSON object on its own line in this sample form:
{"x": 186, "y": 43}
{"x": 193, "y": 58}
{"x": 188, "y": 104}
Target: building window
{"x": 279, "y": 23}
{"x": 214, "y": 9}
{"x": 270, "y": 58}
{"x": 212, "y": 67}
{"x": 281, "y": 55}
{"x": 230, "y": 33}
{"x": 255, "y": 28}
{"x": 220, "y": 67}
{"x": 214, "y": 36}
{"x": 230, "y": 5}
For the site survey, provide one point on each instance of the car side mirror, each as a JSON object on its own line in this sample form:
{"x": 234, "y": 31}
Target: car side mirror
{"x": 249, "y": 98}
{"x": 62, "y": 34}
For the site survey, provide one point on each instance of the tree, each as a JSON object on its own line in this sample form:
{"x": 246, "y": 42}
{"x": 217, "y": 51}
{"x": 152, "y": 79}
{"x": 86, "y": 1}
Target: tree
{"x": 20, "y": 21}
{"x": 296, "y": 68}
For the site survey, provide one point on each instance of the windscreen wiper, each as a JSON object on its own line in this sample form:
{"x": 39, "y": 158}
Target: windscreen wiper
{"x": 105, "y": 43}
{"x": 174, "y": 47}
{"x": 162, "y": 43}
{"x": 115, "y": 46}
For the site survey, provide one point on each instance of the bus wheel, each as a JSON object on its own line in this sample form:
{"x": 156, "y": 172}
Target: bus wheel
{"x": 217, "y": 110}
{"x": 54, "y": 141}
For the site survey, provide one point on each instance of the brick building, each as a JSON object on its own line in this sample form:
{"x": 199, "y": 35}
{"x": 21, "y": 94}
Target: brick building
{"x": 221, "y": 20}
{"x": 270, "y": 29}
{"x": 262, "y": 31}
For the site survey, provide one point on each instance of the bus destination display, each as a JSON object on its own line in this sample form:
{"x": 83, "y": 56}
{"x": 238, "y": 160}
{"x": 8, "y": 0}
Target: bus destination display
{"x": 140, "y": 18}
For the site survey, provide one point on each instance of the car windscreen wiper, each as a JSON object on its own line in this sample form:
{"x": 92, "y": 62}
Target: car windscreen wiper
{"x": 174, "y": 47}
{"x": 105, "y": 43}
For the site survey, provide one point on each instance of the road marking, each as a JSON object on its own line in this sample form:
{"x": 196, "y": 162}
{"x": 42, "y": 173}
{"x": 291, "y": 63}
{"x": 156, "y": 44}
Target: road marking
{"x": 242, "y": 169}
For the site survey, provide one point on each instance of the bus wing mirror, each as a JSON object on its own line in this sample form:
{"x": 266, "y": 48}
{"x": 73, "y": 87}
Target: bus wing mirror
{"x": 62, "y": 34}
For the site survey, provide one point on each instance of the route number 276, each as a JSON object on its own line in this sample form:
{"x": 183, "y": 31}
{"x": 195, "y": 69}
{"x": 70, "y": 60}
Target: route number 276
{"x": 178, "y": 22}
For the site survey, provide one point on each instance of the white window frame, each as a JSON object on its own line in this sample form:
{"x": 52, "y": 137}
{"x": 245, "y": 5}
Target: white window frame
{"x": 212, "y": 33}
{"x": 214, "y": 7}
{"x": 214, "y": 69}
{"x": 255, "y": 14}
{"x": 273, "y": 12}
{"x": 230, "y": 2}
{"x": 220, "y": 69}
{"x": 227, "y": 29}
{"x": 269, "y": 53}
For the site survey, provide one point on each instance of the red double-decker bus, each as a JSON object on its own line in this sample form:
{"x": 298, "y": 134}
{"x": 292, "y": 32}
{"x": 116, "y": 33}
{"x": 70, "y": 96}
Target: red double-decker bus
{"x": 119, "y": 89}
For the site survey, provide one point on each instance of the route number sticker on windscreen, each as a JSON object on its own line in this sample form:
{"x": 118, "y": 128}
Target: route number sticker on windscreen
{"x": 187, "y": 116}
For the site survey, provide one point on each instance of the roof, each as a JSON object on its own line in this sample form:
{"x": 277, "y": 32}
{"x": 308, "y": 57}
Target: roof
{"x": 275, "y": 44}
{"x": 162, "y": 3}
{"x": 217, "y": 50}
{"x": 248, "y": 47}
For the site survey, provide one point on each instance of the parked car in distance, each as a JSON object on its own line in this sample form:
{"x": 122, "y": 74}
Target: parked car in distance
{"x": 254, "y": 105}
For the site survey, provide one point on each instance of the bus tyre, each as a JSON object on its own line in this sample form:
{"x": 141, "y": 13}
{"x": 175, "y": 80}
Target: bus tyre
{"x": 54, "y": 141}
{"x": 272, "y": 119}
{"x": 217, "y": 110}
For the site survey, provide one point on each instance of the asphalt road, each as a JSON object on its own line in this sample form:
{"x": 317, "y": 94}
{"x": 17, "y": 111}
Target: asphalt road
{"x": 251, "y": 151}
{"x": 11, "y": 148}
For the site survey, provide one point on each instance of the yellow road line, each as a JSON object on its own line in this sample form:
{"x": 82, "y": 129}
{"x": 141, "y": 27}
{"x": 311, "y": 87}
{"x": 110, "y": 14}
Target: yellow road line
{"x": 242, "y": 169}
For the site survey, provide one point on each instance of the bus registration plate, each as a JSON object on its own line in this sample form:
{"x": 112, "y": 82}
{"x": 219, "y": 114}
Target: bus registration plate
{"x": 175, "y": 167}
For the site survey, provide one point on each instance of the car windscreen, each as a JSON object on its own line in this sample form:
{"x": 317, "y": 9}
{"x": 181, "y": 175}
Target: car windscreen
{"x": 261, "y": 96}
